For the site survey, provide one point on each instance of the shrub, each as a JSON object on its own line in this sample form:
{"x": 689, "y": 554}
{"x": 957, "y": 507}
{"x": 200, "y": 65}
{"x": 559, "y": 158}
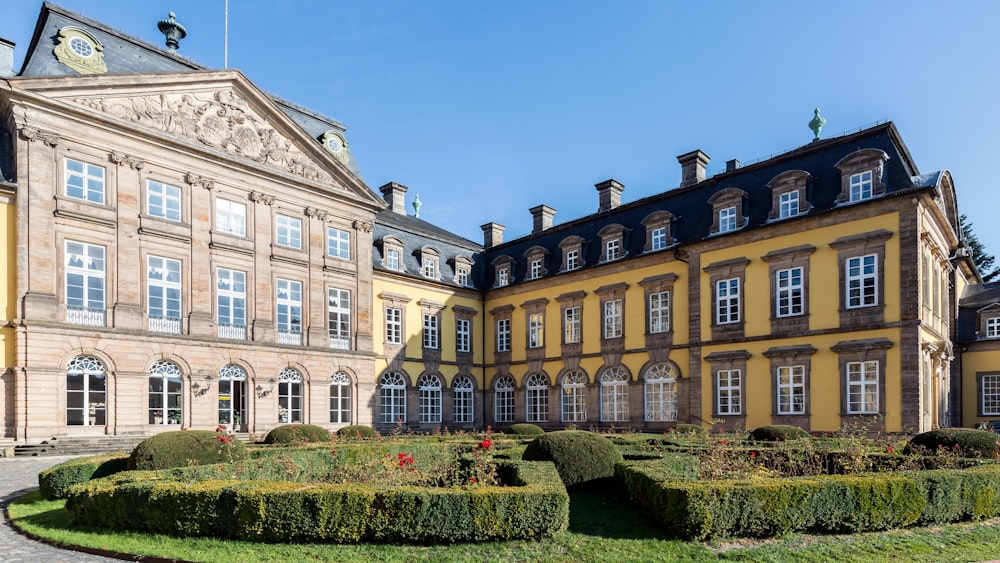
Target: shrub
{"x": 579, "y": 456}
{"x": 695, "y": 429}
{"x": 186, "y": 447}
{"x": 54, "y": 482}
{"x": 778, "y": 433}
{"x": 297, "y": 434}
{"x": 525, "y": 429}
{"x": 966, "y": 441}
{"x": 363, "y": 432}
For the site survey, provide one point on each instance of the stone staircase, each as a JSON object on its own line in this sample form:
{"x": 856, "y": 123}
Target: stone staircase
{"x": 87, "y": 446}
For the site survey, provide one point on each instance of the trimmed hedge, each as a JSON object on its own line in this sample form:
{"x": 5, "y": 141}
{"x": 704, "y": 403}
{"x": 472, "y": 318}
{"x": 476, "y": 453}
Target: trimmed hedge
{"x": 525, "y": 429}
{"x": 54, "y": 482}
{"x": 535, "y": 505}
{"x": 778, "y": 433}
{"x": 186, "y": 447}
{"x": 356, "y": 431}
{"x": 695, "y": 429}
{"x": 969, "y": 442}
{"x": 297, "y": 434}
{"x": 579, "y": 456}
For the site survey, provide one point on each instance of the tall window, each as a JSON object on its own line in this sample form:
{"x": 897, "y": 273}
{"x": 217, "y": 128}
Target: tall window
{"x": 288, "y": 231}
{"x": 612, "y": 250}
{"x": 392, "y": 259}
{"x": 862, "y": 281}
{"x": 340, "y": 398}
{"x": 993, "y": 327}
{"x": 84, "y": 270}
{"x": 614, "y": 394}
{"x": 536, "y": 330}
{"x": 727, "y": 304}
{"x": 789, "y": 300}
{"x": 463, "y": 335}
{"x": 613, "y": 318}
{"x": 989, "y": 391}
{"x": 289, "y": 396}
{"x": 503, "y": 399}
{"x": 231, "y": 217}
{"x": 788, "y": 204}
{"x": 289, "y": 300}
{"x": 462, "y": 389}
{"x": 729, "y": 392}
{"x": 572, "y": 259}
{"x": 392, "y": 398}
{"x": 660, "y": 392}
{"x": 573, "y": 397}
{"x": 571, "y": 325}
{"x": 536, "y": 396}
{"x": 791, "y": 389}
{"x": 232, "y": 395}
{"x": 163, "y": 200}
{"x": 86, "y": 392}
{"x": 861, "y": 186}
{"x": 163, "y": 288}
{"x": 231, "y": 303}
{"x": 393, "y": 326}
{"x": 658, "y": 238}
{"x": 164, "y": 393}
{"x": 862, "y": 387}
{"x": 338, "y": 243}
{"x": 84, "y": 181}
{"x": 338, "y": 311}
{"x": 503, "y": 335}
{"x": 430, "y": 330}
{"x": 659, "y": 312}
{"x": 430, "y": 399}
{"x": 727, "y": 219}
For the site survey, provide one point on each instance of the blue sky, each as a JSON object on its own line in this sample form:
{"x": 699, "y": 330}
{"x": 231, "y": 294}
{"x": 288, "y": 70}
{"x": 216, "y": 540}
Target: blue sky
{"x": 486, "y": 109}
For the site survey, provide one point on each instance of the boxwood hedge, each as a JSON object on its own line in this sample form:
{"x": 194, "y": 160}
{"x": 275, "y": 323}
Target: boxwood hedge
{"x": 54, "y": 482}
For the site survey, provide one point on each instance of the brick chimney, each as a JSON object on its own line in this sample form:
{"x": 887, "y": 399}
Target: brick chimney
{"x": 541, "y": 217}
{"x": 492, "y": 234}
{"x": 395, "y": 195}
{"x": 693, "y": 167}
{"x": 6, "y": 58}
{"x": 610, "y": 195}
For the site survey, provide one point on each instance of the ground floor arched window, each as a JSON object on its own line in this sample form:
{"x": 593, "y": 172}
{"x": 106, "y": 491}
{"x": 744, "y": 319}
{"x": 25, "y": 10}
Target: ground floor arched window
{"x": 232, "y": 395}
{"x": 573, "y": 397}
{"x": 164, "y": 393}
{"x": 289, "y": 396}
{"x": 614, "y": 394}
{"x": 86, "y": 392}
{"x": 661, "y": 393}
{"x": 503, "y": 399}
{"x": 430, "y": 398}
{"x": 392, "y": 398}
{"x": 462, "y": 388}
{"x": 536, "y": 396}
{"x": 340, "y": 398}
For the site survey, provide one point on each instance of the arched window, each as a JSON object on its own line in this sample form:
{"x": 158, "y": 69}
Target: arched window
{"x": 289, "y": 396}
{"x": 430, "y": 398}
{"x": 661, "y": 393}
{"x": 614, "y": 394}
{"x": 503, "y": 399}
{"x": 164, "y": 393}
{"x": 86, "y": 392}
{"x": 340, "y": 398}
{"x": 462, "y": 389}
{"x": 574, "y": 401}
{"x": 392, "y": 395}
{"x": 232, "y": 395}
{"x": 536, "y": 397}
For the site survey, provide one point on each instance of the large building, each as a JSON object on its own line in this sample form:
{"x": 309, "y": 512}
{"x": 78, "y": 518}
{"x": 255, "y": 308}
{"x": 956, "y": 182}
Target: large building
{"x": 184, "y": 250}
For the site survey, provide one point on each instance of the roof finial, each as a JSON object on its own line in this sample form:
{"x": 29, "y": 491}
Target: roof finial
{"x": 416, "y": 206}
{"x": 817, "y": 124}
{"x": 173, "y": 30}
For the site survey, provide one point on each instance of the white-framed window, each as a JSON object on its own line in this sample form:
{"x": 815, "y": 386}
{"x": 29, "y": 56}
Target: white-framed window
{"x": 727, "y": 219}
{"x": 231, "y": 303}
{"x": 85, "y": 283}
{"x": 658, "y": 238}
{"x": 535, "y": 269}
{"x": 338, "y": 243}
{"x": 462, "y": 278}
{"x": 288, "y": 231}
{"x": 503, "y": 276}
{"x": 289, "y": 305}
{"x": 660, "y": 393}
{"x": 340, "y": 398}
{"x": 463, "y": 335}
{"x": 727, "y": 301}
{"x": 503, "y": 399}
{"x": 430, "y": 268}
{"x": 862, "y": 387}
{"x": 430, "y": 330}
{"x": 573, "y": 398}
{"x": 231, "y": 217}
{"x": 791, "y": 389}
{"x": 536, "y": 330}
{"x": 612, "y": 249}
{"x": 862, "y": 281}
{"x": 289, "y": 396}
{"x": 861, "y": 186}
{"x": 163, "y": 294}
{"x": 613, "y": 318}
{"x": 84, "y": 181}
{"x": 429, "y": 402}
{"x": 728, "y": 392}
{"x": 788, "y": 204}
{"x": 993, "y": 327}
{"x": 462, "y": 399}
{"x": 789, "y": 286}
{"x": 393, "y": 325}
{"x": 614, "y": 395}
{"x": 659, "y": 312}
{"x": 164, "y": 393}
{"x": 338, "y": 314}
{"x": 536, "y": 396}
{"x": 392, "y": 398}
{"x": 392, "y": 259}
{"x": 232, "y": 395}
{"x": 989, "y": 392}
{"x": 572, "y": 325}
{"x": 163, "y": 201}
{"x": 503, "y": 335}
{"x": 86, "y": 392}
{"x": 572, "y": 259}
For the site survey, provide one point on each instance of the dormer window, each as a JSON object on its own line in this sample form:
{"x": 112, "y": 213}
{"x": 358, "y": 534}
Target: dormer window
{"x": 429, "y": 260}
{"x": 861, "y": 174}
{"x": 391, "y": 259}
{"x": 463, "y": 270}
{"x": 535, "y": 271}
{"x": 727, "y": 219}
{"x": 503, "y": 276}
{"x": 788, "y": 194}
{"x": 535, "y": 256}
{"x": 572, "y": 249}
{"x": 988, "y": 321}
{"x": 430, "y": 268}
{"x": 658, "y": 225}
{"x": 392, "y": 252}
{"x": 612, "y": 242}
{"x": 462, "y": 277}
{"x": 993, "y": 327}
{"x": 861, "y": 186}
{"x": 504, "y": 268}
{"x": 788, "y": 205}
{"x": 612, "y": 250}
{"x": 727, "y": 209}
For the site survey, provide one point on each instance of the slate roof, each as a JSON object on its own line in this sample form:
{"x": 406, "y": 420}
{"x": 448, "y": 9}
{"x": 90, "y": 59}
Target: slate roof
{"x": 417, "y": 233}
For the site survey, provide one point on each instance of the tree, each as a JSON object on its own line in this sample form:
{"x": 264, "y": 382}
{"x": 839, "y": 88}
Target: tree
{"x": 983, "y": 260}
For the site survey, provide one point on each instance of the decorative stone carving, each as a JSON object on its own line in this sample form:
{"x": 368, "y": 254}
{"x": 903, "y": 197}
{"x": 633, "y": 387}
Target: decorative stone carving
{"x": 258, "y": 197}
{"x": 196, "y": 180}
{"x": 80, "y": 51}
{"x": 363, "y": 226}
{"x": 133, "y": 163}
{"x": 31, "y": 134}
{"x": 316, "y": 213}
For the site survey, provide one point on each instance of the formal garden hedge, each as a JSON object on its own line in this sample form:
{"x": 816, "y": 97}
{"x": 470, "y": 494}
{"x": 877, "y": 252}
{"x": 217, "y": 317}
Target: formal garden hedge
{"x": 580, "y": 457}
{"x": 297, "y": 434}
{"x": 186, "y": 447}
{"x": 54, "y": 482}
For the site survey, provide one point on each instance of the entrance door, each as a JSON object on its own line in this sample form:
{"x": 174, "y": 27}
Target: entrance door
{"x": 233, "y": 397}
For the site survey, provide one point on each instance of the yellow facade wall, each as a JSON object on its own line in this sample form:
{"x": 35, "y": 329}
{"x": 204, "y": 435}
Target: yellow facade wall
{"x": 981, "y": 357}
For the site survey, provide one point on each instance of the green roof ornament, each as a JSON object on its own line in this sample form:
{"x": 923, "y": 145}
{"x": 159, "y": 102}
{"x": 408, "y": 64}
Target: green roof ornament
{"x": 173, "y": 30}
{"x": 816, "y": 124}
{"x": 416, "y": 206}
